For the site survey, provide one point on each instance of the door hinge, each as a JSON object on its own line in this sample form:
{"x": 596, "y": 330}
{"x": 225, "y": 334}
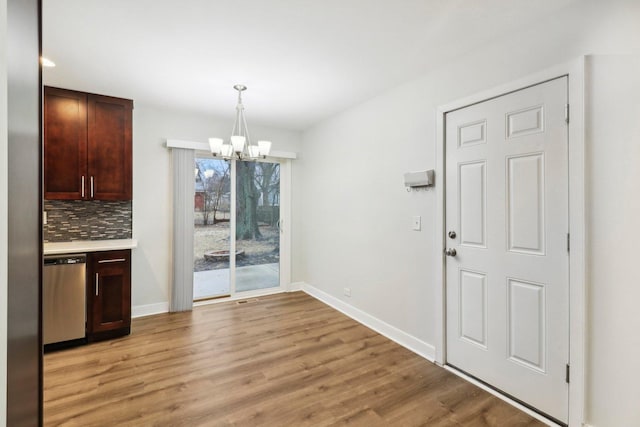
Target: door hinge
{"x": 567, "y": 374}
{"x": 566, "y": 113}
{"x": 568, "y": 242}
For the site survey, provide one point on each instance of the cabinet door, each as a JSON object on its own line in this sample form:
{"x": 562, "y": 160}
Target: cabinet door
{"x": 65, "y": 144}
{"x": 110, "y": 149}
{"x": 109, "y": 293}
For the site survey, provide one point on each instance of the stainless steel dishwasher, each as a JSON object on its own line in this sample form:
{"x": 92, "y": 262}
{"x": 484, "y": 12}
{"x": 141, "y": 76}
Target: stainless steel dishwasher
{"x": 64, "y": 302}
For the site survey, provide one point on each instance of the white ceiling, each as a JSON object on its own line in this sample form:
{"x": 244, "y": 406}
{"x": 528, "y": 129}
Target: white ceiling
{"x": 302, "y": 60}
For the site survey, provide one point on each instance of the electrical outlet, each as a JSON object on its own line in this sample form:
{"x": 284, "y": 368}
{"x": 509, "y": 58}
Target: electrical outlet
{"x": 417, "y": 223}
{"x": 347, "y": 292}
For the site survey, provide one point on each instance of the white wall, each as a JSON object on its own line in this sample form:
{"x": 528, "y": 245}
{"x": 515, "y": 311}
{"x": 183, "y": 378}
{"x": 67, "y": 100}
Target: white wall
{"x": 352, "y": 216}
{"x": 613, "y": 209}
{"x": 3, "y": 211}
{"x": 152, "y": 197}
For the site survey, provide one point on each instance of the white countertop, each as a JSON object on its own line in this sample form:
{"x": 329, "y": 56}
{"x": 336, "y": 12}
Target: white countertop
{"x": 78, "y": 246}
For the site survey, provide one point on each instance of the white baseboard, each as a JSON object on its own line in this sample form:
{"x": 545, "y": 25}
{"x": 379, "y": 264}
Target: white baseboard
{"x": 410, "y": 342}
{"x": 295, "y": 286}
{"x": 149, "y": 309}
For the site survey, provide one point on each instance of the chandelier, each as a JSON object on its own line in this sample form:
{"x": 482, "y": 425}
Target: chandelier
{"x": 240, "y": 146}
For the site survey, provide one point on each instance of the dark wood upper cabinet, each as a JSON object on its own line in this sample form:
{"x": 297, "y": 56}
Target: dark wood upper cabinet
{"x": 87, "y": 146}
{"x": 65, "y": 144}
{"x": 109, "y": 147}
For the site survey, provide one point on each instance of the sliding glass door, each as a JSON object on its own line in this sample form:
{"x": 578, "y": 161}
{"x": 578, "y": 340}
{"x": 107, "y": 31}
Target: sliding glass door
{"x": 257, "y": 225}
{"x": 212, "y": 231}
{"x": 237, "y": 233}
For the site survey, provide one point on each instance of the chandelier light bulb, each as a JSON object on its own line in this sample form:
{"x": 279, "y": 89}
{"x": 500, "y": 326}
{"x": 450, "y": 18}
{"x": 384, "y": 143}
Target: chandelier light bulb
{"x": 264, "y": 147}
{"x": 227, "y": 151}
{"x": 238, "y": 143}
{"x": 215, "y": 144}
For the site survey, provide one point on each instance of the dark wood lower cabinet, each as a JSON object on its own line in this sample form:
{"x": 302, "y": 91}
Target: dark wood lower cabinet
{"x": 108, "y": 294}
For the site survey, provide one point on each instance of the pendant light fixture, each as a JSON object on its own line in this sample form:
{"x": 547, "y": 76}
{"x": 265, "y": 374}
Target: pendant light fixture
{"x": 239, "y": 147}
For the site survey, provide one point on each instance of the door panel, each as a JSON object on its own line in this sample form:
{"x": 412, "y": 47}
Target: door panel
{"x": 525, "y": 122}
{"x": 109, "y": 294}
{"x": 525, "y": 203}
{"x": 212, "y": 229}
{"x": 257, "y": 226}
{"x": 472, "y": 204}
{"x": 507, "y": 286}
{"x": 109, "y": 147}
{"x": 526, "y": 335}
{"x": 65, "y": 142}
{"x": 473, "y": 307}
{"x": 472, "y": 133}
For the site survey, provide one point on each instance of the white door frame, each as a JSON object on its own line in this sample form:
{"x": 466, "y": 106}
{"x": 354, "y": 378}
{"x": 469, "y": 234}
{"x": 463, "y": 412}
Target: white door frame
{"x": 577, "y": 262}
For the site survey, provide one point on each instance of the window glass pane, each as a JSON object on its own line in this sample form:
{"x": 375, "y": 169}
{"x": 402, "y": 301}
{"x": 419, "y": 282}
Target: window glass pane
{"x": 257, "y": 225}
{"x": 211, "y": 243}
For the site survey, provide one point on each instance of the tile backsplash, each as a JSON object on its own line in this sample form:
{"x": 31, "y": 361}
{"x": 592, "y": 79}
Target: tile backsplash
{"x": 69, "y": 220}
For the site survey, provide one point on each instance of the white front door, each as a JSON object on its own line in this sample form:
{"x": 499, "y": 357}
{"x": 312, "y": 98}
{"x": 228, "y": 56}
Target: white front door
{"x": 507, "y": 285}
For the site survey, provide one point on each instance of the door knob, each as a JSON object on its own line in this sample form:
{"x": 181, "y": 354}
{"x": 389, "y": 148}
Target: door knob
{"x": 450, "y": 252}
{"x": 452, "y": 234}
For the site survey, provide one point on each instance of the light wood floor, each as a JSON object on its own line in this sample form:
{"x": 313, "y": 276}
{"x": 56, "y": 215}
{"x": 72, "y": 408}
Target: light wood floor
{"x": 285, "y": 360}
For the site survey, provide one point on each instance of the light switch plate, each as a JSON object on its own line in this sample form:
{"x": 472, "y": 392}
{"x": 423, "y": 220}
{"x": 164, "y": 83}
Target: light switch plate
{"x": 417, "y": 223}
